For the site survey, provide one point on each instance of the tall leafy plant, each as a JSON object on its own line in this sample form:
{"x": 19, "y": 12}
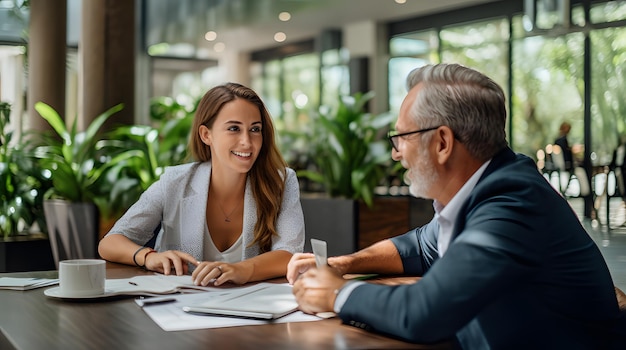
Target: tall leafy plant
{"x": 75, "y": 161}
{"x": 21, "y": 182}
{"x": 149, "y": 149}
{"x": 348, "y": 150}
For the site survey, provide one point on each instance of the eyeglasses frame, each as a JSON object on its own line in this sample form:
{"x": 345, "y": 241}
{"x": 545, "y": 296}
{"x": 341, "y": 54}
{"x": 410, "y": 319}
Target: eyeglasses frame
{"x": 390, "y": 137}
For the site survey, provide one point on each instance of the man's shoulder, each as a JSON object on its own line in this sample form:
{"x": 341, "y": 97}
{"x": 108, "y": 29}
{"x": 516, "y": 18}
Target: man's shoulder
{"x": 516, "y": 171}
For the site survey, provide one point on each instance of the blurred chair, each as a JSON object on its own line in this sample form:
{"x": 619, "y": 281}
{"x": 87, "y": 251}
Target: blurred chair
{"x": 618, "y": 169}
{"x": 570, "y": 182}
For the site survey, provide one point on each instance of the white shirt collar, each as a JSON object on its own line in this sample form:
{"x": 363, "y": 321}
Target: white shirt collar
{"x": 446, "y": 216}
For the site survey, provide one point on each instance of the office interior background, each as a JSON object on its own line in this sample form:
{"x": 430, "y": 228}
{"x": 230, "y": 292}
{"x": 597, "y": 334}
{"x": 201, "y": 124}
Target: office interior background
{"x": 557, "y": 60}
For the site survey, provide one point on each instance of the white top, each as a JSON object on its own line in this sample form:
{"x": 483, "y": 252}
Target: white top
{"x": 230, "y": 255}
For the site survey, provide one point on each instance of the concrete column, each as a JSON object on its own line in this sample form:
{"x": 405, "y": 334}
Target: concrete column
{"x": 107, "y": 60}
{"x": 235, "y": 67}
{"x": 47, "y": 35}
{"x": 366, "y": 41}
{"x": 12, "y": 87}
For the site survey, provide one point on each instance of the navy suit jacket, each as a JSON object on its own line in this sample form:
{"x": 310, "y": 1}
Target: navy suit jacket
{"x": 520, "y": 272}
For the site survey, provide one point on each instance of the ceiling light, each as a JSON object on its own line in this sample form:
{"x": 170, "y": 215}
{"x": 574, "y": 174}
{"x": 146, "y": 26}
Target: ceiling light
{"x": 280, "y": 37}
{"x": 400, "y": 1}
{"x": 284, "y": 16}
{"x": 6, "y": 4}
{"x": 219, "y": 47}
{"x": 210, "y": 35}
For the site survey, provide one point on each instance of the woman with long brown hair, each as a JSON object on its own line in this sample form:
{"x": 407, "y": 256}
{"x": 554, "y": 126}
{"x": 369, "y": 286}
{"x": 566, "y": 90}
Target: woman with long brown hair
{"x": 233, "y": 214}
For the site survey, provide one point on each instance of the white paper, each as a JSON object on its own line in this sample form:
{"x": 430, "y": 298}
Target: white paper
{"x": 171, "y": 317}
{"x": 319, "y": 249}
{"x": 14, "y": 283}
{"x": 153, "y": 284}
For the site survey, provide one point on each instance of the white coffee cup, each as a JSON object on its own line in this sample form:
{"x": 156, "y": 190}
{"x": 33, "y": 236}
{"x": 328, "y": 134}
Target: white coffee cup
{"x": 82, "y": 277}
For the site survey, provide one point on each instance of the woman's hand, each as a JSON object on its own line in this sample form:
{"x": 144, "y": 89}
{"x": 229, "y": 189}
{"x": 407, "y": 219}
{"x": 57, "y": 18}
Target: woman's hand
{"x": 170, "y": 261}
{"x": 220, "y": 272}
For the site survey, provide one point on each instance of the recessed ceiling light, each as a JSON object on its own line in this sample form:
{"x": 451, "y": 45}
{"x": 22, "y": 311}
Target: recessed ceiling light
{"x": 284, "y": 16}
{"x": 210, "y": 35}
{"x": 280, "y": 37}
{"x": 219, "y": 47}
{"x": 400, "y": 1}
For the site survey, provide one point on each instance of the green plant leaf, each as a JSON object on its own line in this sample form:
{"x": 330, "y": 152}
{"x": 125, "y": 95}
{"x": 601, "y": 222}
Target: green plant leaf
{"x": 348, "y": 149}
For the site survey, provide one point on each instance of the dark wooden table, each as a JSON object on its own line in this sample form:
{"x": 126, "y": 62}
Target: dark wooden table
{"x": 30, "y": 320}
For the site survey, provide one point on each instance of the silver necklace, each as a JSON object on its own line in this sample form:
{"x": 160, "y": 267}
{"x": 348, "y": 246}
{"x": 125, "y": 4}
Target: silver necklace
{"x": 227, "y": 217}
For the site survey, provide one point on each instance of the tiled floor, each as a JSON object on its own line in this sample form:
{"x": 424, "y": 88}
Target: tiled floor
{"x": 610, "y": 239}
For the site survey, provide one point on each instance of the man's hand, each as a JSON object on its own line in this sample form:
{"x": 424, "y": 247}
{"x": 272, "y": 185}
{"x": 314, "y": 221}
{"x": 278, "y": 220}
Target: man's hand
{"x": 299, "y": 263}
{"x": 316, "y": 289}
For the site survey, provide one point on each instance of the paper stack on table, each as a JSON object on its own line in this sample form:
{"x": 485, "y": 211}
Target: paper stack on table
{"x": 15, "y": 283}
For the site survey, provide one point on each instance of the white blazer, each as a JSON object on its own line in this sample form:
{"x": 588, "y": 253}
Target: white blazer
{"x": 178, "y": 200}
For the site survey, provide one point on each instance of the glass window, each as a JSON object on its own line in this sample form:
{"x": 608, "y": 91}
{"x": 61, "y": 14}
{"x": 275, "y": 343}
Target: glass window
{"x": 548, "y": 89}
{"x": 608, "y": 12}
{"x": 475, "y": 34}
{"x": 265, "y": 79}
{"x": 482, "y": 46}
{"x": 578, "y": 16}
{"x": 300, "y": 88}
{"x": 549, "y": 14}
{"x": 399, "y": 68}
{"x": 290, "y": 88}
{"x": 335, "y": 76}
{"x": 409, "y": 51}
{"x": 608, "y": 87}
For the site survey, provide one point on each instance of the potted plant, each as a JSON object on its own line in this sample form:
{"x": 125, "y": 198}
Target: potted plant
{"x": 23, "y": 246}
{"x": 149, "y": 149}
{"x": 349, "y": 157}
{"x": 347, "y": 147}
{"x": 75, "y": 163}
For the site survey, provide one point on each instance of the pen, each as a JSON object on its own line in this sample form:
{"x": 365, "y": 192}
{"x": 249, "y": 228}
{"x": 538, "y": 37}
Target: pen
{"x": 156, "y": 300}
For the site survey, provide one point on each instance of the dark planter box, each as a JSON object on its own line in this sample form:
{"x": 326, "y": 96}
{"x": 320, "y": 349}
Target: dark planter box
{"x": 334, "y": 220}
{"x": 391, "y": 216}
{"x": 26, "y": 253}
{"x": 348, "y": 225}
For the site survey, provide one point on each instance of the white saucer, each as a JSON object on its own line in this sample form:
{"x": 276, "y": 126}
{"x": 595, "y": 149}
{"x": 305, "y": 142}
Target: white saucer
{"x": 56, "y": 293}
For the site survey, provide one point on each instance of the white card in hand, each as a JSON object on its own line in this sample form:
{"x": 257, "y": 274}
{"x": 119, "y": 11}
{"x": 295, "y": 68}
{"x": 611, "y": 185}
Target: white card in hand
{"x": 319, "y": 249}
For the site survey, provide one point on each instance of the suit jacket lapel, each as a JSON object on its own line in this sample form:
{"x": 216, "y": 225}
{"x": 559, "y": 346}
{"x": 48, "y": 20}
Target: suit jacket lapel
{"x": 505, "y": 155}
{"x": 193, "y": 212}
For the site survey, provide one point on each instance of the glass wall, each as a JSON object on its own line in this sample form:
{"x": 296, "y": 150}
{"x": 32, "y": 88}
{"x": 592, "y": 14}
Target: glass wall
{"x": 408, "y": 52}
{"x": 548, "y": 89}
{"x": 608, "y": 79}
{"x": 293, "y": 87}
{"x": 544, "y": 66}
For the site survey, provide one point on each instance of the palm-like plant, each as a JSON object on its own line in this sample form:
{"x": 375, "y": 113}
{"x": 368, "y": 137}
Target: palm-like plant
{"x": 21, "y": 182}
{"x": 73, "y": 160}
{"x": 348, "y": 149}
{"x": 148, "y": 149}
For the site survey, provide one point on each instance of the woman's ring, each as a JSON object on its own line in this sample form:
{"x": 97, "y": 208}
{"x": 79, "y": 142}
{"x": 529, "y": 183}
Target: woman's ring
{"x": 221, "y": 271}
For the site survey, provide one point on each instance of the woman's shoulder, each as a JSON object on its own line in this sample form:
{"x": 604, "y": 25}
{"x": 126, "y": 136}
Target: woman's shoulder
{"x": 182, "y": 170}
{"x": 289, "y": 176}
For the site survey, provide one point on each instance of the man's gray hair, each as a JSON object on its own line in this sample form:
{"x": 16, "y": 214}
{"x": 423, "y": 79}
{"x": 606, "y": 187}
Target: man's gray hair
{"x": 468, "y": 102}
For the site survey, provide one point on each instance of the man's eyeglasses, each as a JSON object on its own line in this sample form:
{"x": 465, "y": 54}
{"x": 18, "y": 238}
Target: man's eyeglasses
{"x": 393, "y": 137}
